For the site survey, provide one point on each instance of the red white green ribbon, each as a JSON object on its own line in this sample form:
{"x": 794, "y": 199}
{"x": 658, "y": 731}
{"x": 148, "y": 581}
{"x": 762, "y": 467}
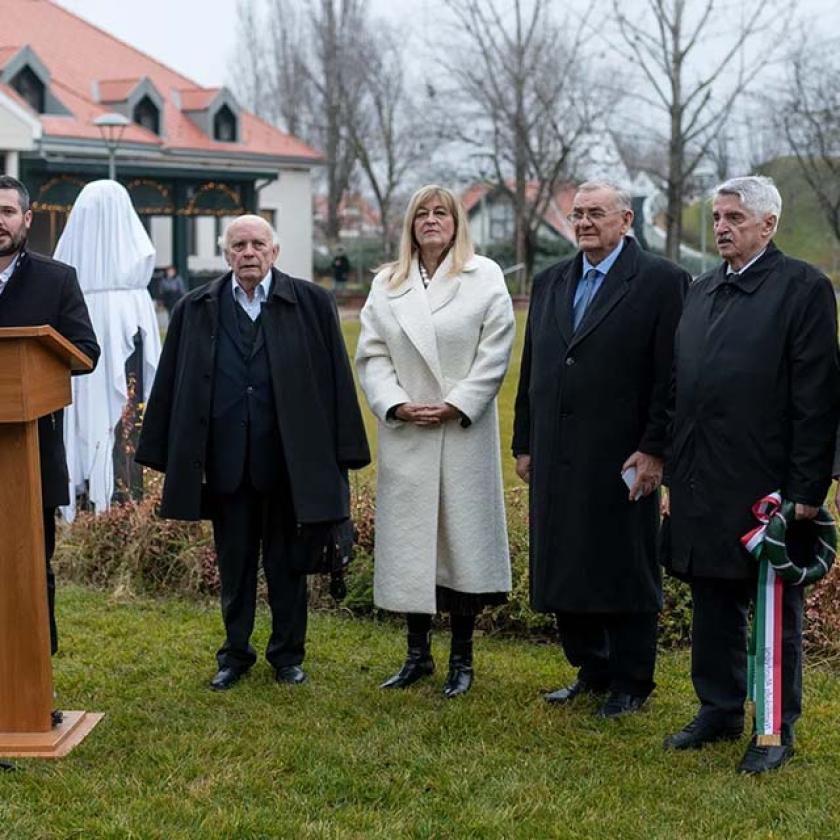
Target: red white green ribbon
{"x": 764, "y": 674}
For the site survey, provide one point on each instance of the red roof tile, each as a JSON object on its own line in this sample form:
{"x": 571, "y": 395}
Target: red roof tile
{"x": 78, "y": 54}
{"x": 116, "y": 90}
{"x": 197, "y": 99}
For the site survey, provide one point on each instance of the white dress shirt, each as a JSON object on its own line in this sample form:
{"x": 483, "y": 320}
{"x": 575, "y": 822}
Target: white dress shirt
{"x": 7, "y": 272}
{"x": 252, "y": 305}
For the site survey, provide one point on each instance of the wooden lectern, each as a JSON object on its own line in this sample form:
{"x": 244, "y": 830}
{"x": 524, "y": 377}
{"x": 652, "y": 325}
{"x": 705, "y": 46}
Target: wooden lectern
{"x": 35, "y": 365}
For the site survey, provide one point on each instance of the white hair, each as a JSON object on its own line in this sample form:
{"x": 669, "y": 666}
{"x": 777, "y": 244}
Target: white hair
{"x": 224, "y": 239}
{"x": 623, "y": 199}
{"x": 758, "y": 194}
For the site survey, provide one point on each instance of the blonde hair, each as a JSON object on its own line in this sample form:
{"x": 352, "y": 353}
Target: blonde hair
{"x": 461, "y": 246}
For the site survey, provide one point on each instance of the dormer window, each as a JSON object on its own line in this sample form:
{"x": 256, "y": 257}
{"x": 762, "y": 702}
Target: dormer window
{"x": 147, "y": 115}
{"x": 224, "y": 125}
{"x": 31, "y": 88}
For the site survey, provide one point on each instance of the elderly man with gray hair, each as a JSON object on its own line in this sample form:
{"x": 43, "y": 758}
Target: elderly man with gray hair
{"x": 253, "y": 417}
{"x": 757, "y": 385}
{"x": 589, "y": 434}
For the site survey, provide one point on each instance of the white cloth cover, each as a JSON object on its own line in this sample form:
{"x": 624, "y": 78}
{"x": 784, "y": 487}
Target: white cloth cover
{"x": 105, "y": 242}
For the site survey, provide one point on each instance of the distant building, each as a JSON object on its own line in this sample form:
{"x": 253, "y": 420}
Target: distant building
{"x": 490, "y": 210}
{"x": 190, "y": 157}
{"x": 357, "y": 217}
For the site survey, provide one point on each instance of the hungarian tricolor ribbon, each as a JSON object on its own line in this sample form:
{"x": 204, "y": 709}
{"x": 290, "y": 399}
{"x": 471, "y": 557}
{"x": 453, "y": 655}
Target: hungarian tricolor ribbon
{"x": 764, "y": 670}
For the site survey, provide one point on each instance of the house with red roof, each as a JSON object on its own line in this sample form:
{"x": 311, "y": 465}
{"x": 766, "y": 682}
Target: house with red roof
{"x": 189, "y": 156}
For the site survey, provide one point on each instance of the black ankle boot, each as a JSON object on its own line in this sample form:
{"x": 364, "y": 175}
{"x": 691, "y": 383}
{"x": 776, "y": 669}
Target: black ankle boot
{"x": 460, "y": 676}
{"x": 418, "y": 663}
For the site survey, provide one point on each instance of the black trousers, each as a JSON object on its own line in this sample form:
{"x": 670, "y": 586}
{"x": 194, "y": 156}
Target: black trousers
{"x": 49, "y": 550}
{"x": 247, "y": 523}
{"x": 612, "y": 651}
{"x": 719, "y": 632}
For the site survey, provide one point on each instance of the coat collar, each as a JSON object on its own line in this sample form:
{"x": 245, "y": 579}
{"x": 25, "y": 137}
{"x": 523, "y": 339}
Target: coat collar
{"x": 413, "y": 306}
{"x": 281, "y": 287}
{"x": 615, "y": 285}
{"x": 753, "y": 277}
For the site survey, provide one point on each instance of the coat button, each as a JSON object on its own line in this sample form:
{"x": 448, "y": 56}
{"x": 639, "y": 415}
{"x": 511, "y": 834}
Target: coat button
{"x": 207, "y": 374}
{"x": 202, "y": 421}
{"x": 249, "y": 389}
{"x": 570, "y": 361}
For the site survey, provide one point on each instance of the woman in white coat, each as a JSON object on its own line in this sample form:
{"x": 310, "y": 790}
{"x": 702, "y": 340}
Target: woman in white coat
{"x": 436, "y": 337}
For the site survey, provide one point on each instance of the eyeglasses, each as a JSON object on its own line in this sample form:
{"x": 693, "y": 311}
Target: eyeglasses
{"x": 596, "y": 215}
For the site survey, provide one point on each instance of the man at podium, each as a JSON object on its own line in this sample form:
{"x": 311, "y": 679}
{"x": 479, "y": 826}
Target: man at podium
{"x": 35, "y": 291}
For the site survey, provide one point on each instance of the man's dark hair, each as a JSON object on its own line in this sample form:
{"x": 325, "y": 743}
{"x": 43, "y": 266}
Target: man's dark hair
{"x": 7, "y": 182}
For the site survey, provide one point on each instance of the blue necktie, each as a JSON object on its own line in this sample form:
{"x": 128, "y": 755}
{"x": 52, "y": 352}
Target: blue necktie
{"x": 585, "y": 290}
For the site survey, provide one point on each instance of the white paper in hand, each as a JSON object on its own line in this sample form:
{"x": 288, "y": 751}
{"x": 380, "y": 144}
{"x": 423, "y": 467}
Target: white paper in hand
{"x": 629, "y": 476}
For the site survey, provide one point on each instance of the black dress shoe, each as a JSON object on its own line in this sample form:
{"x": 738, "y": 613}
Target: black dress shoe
{"x": 290, "y": 674}
{"x": 225, "y": 678}
{"x": 698, "y": 733}
{"x": 569, "y": 692}
{"x": 762, "y": 759}
{"x": 619, "y": 704}
{"x": 414, "y": 668}
{"x": 460, "y": 676}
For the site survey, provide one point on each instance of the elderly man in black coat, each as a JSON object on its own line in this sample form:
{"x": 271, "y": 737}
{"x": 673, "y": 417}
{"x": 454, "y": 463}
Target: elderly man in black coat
{"x": 34, "y": 291}
{"x": 254, "y": 419}
{"x": 757, "y": 385}
{"x": 591, "y": 410}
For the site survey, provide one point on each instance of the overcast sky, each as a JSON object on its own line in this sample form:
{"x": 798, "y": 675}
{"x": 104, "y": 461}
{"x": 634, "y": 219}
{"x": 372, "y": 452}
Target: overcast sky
{"x": 196, "y": 37}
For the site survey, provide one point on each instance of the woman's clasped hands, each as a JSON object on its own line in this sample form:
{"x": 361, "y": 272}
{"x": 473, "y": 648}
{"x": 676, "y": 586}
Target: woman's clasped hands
{"x": 424, "y": 414}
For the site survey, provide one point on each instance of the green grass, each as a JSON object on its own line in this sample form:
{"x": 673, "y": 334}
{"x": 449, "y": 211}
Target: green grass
{"x": 337, "y": 757}
{"x": 506, "y": 398}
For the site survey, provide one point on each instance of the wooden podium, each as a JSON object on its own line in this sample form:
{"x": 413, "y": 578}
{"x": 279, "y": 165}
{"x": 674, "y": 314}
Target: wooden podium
{"x": 35, "y": 365}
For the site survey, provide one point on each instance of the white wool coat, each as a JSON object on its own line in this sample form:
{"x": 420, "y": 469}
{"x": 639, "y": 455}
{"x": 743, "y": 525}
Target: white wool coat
{"x": 440, "y": 515}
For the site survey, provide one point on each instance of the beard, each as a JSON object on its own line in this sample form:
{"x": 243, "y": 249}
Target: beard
{"x": 16, "y": 242}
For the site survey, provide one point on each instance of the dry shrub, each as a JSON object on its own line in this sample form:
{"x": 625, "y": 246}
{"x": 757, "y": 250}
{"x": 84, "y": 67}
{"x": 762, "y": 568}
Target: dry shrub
{"x": 130, "y": 549}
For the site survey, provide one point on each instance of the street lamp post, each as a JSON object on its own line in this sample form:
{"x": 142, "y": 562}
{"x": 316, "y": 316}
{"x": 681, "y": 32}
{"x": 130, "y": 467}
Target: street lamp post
{"x": 112, "y": 127}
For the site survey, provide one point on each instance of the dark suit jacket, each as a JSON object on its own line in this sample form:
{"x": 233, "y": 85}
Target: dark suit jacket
{"x": 757, "y": 385}
{"x": 315, "y": 399}
{"x": 45, "y": 291}
{"x": 586, "y": 401}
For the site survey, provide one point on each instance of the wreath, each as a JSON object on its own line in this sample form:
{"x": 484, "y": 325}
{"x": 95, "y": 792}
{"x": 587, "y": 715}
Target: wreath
{"x": 775, "y": 548}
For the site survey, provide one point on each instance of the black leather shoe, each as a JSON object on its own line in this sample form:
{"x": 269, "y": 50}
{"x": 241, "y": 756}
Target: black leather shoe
{"x": 225, "y": 678}
{"x": 56, "y": 718}
{"x": 619, "y": 704}
{"x": 569, "y": 692}
{"x": 698, "y": 733}
{"x": 460, "y": 676}
{"x": 290, "y": 674}
{"x": 413, "y": 669}
{"x": 762, "y": 759}
{"x": 418, "y": 662}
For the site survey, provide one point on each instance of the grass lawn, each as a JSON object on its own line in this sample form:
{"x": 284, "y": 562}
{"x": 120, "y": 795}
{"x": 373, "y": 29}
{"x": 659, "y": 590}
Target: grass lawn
{"x": 337, "y": 757}
{"x": 506, "y": 397}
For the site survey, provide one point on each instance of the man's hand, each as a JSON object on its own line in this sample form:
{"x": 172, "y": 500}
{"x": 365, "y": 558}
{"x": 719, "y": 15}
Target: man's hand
{"x": 648, "y": 474}
{"x": 423, "y": 414}
{"x": 805, "y": 511}
{"x": 523, "y": 467}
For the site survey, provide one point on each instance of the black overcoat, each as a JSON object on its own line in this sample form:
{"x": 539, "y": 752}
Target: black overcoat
{"x": 317, "y": 409}
{"x": 587, "y": 401}
{"x": 757, "y": 385}
{"x": 44, "y": 291}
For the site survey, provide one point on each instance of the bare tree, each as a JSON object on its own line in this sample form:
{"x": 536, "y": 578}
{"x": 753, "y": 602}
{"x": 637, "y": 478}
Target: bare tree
{"x": 310, "y": 80}
{"x": 387, "y": 138}
{"x": 518, "y": 73}
{"x": 809, "y": 115}
{"x": 693, "y": 83}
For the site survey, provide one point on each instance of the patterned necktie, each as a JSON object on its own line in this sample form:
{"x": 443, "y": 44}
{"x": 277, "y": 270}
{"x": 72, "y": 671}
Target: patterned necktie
{"x": 586, "y": 289}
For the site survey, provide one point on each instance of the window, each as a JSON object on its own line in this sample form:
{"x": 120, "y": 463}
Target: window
{"x": 224, "y": 125}
{"x": 146, "y": 114}
{"x": 31, "y": 88}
